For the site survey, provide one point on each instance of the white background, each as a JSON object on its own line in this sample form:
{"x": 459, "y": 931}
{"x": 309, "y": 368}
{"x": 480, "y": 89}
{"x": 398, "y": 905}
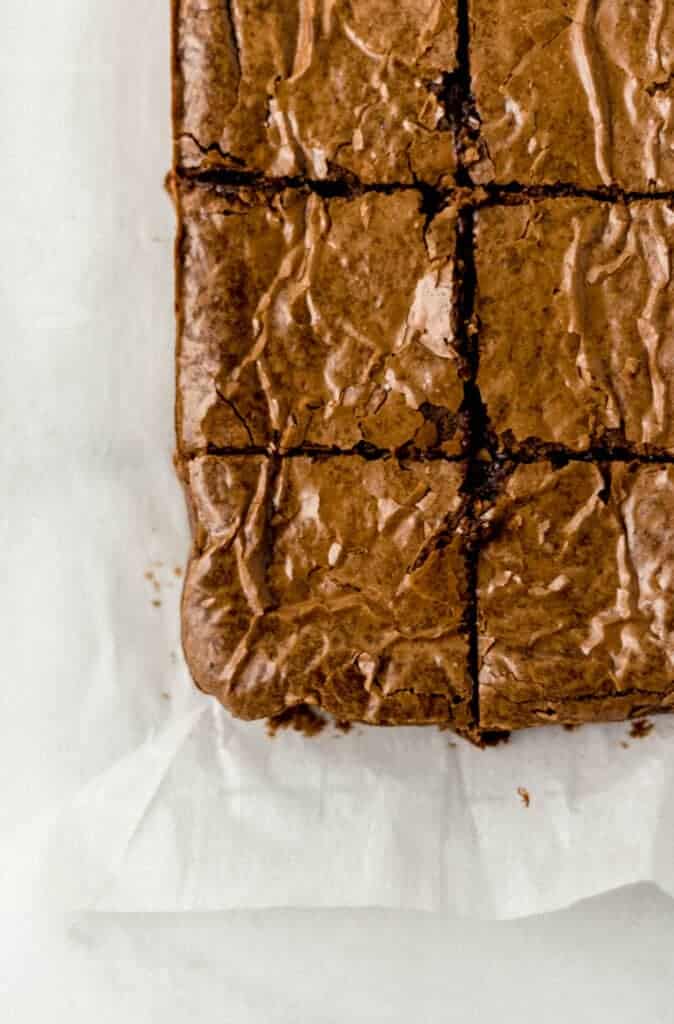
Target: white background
{"x": 86, "y": 279}
{"x": 607, "y": 960}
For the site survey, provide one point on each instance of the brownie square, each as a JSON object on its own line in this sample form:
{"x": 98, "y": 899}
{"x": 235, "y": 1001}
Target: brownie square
{"x": 339, "y": 583}
{"x": 576, "y": 596}
{"x": 316, "y": 321}
{"x": 348, "y": 87}
{"x": 576, "y": 308}
{"x": 576, "y": 92}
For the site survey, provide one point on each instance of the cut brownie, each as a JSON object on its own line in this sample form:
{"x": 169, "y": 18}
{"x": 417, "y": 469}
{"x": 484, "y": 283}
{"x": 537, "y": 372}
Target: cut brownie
{"x": 313, "y": 321}
{"x": 426, "y": 428}
{"x": 577, "y": 91}
{"x": 346, "y": 87}
{"x": 576, "y": 596}
{"x": 339, "y": 583}
{"x": 576, "y": 304}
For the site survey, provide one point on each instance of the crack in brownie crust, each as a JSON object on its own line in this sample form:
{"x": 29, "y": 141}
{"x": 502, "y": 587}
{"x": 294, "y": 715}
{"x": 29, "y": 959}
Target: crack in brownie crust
{"x": 425, "y": 370}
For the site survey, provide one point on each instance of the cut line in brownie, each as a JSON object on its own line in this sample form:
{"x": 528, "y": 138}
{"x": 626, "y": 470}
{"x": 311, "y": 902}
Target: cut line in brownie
{"x": 346, "y": 88}
{"x": 575, "y": 302}
{"x": 576, "y": 596}
{"x": 313, "y": 321}
{"x": 336, "y": 582}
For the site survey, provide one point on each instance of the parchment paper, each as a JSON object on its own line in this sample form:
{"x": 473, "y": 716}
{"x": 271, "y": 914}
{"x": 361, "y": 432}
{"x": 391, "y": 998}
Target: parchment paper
{"x": 124, "y": 789}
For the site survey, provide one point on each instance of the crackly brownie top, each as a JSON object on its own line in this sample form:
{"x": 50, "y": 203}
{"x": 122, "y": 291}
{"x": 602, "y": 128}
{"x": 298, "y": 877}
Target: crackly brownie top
{"x": 346, "y": 87}
{"x": 575, "y": 91}
{"x": 576, "y": 306}
{"x": 576, "y": 595}
{"x": 317, "y": 321}
{"x": 339, "y": 582}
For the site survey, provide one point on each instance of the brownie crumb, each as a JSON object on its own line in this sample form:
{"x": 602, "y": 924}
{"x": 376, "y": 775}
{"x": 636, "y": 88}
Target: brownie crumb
{"x": 493, "y": 739}
{"x": 151, "y": 578}
{"x": 624, "y": 745}
{"x": 301, "y": 718}
{"x": 524, "y": 795}
{"x": 641, "y": 728}
{"x": 344, "y": 727}
{"x": 571, "y": 726}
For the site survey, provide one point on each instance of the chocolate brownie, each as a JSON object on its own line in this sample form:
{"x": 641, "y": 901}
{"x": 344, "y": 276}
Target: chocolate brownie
{"x": 577, "y": 91}
{"x": 576, "y": 595}
{"x": 350, "y": 87}
{"x": 316, "y": 321}
{"x": 576, "y": 306}
{"x": 339, "y": 583}
{"x": 425, "y": 364}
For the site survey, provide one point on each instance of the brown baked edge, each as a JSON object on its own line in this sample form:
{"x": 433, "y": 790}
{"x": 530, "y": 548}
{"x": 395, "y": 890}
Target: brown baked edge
{"x": 502, "y": 714}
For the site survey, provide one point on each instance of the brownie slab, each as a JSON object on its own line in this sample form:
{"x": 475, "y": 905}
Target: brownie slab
{"x": 312, "y": 321}
{"x": 576, "y": 308}
{"x": 346, "y": 87}
{"x": 576, "y": 596}
{"x": 575, "y": 91}
{"x": 339, "y": 583}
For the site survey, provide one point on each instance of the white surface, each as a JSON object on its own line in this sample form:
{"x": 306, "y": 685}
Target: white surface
{"x": 123, "y": 789}
{"x": 608, "y": 961}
